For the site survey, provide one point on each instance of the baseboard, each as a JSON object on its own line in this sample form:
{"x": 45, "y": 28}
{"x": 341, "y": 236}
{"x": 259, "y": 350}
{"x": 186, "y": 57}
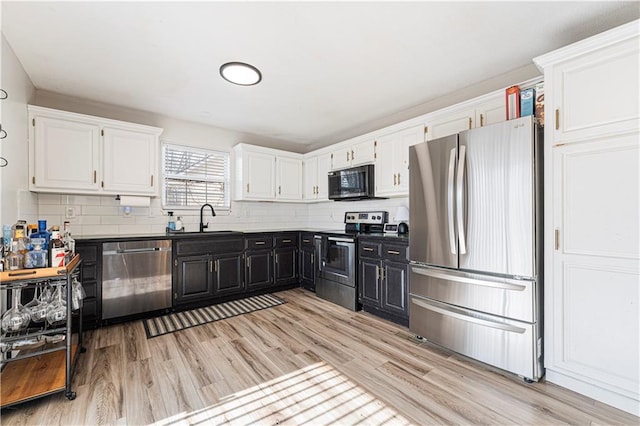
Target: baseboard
{"x": 621, "y": 402}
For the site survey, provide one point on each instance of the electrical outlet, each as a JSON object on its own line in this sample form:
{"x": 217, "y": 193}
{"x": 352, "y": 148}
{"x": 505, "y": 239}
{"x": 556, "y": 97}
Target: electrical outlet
{"x": 70, "y": 212}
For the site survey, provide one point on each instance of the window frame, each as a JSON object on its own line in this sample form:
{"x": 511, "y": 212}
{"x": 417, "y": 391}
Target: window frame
{"x": 187, "y": 148}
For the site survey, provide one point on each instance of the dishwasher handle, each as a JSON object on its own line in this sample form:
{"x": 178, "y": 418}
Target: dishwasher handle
{"x": 140, "y": 250}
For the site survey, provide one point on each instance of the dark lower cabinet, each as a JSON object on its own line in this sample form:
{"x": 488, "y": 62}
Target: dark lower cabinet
{"x": 383, "y": 278}
{"x": 259, "y": 269}
{"x": 307, "y": 261}
{"x": 91, "y": 278}
{"x": 369, "y": 281}
{"x": 285, "y": 266}
{"x": 395, "y": 288}
{"x": 228, "y": 277}
{"x": 194, "y": 279}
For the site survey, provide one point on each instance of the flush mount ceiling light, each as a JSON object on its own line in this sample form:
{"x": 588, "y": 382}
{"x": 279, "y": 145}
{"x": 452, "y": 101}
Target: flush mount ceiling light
{"x": 240, "y": 73}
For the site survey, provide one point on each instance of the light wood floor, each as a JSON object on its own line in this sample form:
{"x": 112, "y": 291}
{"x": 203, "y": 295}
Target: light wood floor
{"x": 304, "y": 362}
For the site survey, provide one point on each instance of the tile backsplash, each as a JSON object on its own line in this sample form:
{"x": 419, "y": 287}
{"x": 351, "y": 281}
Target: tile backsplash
{"x": 103, "y": 215}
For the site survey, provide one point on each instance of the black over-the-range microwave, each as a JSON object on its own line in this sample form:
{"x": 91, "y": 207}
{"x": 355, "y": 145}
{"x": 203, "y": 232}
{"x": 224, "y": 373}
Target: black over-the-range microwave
{"x": 356, "y": 183}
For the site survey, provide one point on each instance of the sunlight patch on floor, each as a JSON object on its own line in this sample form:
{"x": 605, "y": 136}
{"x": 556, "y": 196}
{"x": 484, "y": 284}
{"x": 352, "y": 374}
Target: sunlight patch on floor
{"x": 315, "y": 395}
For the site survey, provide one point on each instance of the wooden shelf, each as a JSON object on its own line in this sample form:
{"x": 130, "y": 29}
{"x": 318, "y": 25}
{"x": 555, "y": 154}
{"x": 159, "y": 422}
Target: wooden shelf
{"x": 34, "y": 377}
{"x": 38, "y": 273}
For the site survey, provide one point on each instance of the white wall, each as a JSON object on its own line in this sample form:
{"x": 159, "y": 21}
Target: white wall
{"x": 17, "y": 201}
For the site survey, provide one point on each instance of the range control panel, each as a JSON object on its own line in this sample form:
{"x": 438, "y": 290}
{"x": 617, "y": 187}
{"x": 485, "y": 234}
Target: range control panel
{"x": 367, "y": 218}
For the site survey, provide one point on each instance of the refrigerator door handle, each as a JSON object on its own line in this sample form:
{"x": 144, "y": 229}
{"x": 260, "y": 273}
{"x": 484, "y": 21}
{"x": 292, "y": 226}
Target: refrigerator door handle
{"x": 505, "y": 283}
{"x": 450, "y": 195}
{"x": 452, "y": 312}
{"x": 460, "y": 200}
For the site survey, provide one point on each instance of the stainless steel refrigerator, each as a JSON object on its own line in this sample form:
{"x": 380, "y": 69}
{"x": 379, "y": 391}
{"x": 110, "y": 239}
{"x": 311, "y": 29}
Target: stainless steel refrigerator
{"x": 476, "y": 244}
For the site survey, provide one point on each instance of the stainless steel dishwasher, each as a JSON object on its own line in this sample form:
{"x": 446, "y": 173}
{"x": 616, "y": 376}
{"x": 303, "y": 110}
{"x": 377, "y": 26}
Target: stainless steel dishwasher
{"x": 136, "y": 277}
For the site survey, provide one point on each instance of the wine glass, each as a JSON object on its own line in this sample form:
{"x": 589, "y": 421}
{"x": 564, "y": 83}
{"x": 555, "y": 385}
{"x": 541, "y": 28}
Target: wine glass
{"x": 37, "y": 308}
{"x": 17, "y": 318}
{"x": 57, "y": 311}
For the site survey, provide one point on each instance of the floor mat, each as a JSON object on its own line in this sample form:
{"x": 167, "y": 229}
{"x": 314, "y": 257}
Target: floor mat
{"x": 180, "y": 320}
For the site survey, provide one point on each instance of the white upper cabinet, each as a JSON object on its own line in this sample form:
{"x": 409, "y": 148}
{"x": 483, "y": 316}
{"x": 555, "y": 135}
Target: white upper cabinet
{"x": 81, "y": 154}
{"x": 130, "y": 161}
{"x": 354, "y": 155}
{"x": 450, "y": 123}
{"x": 392, "y": 166}
{"x": 594, "y": 92}
{"x": 316, "y": 169}
{"x": 289, "y": 178}
{"x": 65, "y": 155}
{"x": 491, "y": 111}
{"x": 264, "y": 174}
{"x": 592, "y": 217}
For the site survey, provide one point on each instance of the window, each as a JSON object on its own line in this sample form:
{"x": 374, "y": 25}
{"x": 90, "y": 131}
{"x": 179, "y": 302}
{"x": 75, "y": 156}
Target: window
{"x": 193, "y": 177}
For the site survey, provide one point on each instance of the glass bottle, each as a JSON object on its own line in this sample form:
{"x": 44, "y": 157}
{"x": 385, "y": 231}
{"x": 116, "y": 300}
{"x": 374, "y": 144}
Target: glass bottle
{"x": 56, "y": 248}
{"x": 15, "y": 260}
{"x": 67, "y": 239}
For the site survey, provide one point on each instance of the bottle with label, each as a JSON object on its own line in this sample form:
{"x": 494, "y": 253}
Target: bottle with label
{"x": 179, "y": 223}
{"x": 67, "y": 239}
{"x": 56, "y": 248}
{"x": 15, "y": 260}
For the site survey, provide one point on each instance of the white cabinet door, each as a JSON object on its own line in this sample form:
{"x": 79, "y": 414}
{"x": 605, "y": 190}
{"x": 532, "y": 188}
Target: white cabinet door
{"x": 363, "y": 153}
{"x": 289, "y": 178}
{"x": 392, "y": 163}
{"x": 259, "y": 175}
{"x": 594, "y": 315}
{"x": 130, "y": 161}
{"x": 66, "y": 155}
{"x": 491, "y": 111}
{"x": 310, "y": 167}
{"x": 450, "y": 124}
{"x": 324, "y": 167}
{"x": 596, "y": 93}
{"x": 341, "y": 158}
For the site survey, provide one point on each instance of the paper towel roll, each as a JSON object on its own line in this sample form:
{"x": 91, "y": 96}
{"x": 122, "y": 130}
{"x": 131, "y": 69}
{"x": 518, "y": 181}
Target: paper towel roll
{"x": 132, "y": 201}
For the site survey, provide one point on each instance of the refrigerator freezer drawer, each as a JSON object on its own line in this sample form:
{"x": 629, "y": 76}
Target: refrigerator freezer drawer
{"x": 510, "y": 345}
{"x": 515, "y": 299}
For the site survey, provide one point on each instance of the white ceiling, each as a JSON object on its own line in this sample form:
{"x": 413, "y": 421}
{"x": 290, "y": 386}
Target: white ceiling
{"x": 330, "y": 69}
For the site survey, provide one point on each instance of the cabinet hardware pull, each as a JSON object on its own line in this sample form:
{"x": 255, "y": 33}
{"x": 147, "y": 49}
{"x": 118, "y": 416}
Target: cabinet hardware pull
{"x": 426, "y": 129}
{"x": 216, "y": 265}
{"x": 102, "y": 184}
{"x": 286, "y": 241}
{"x": 557, "y": 239}
{"x": 347, "y": 155}
{"x": 469, "y": 122}
{"x": 277, "y": 258}
{"x": 95, "y": 176}
{"x": 306, "y": 241}
{"x": 279, "y": 190}
{"x": 557, "y": 118}
{"x": 312, "y": 258}
{"x": 211, "y": 266}
{"x": 352, "y": 157}
{"x": 394, "y": 180}
{"x": 175, "y": 263}
{"x": 151, "y": 180}
{"x": 393, "y": 252}
{"x": 367, "y": 249}
{"x": 33, "y": 122}
{"x": 33, "y": 180}
{"x": 248, "y": 261}
{"x": 260, "y": 243}
{"x": 247, "y": 187}
{"x": 398, "y": 178}
{"x": 175, "y": 295}
{"x": 481, "y": 120}
{"x": 102, "y": 132}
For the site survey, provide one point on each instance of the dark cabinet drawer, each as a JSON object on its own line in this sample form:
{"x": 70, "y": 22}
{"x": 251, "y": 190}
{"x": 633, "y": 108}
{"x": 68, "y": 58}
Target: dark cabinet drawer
{"x": 306, "y": 241}
{"x": 90, "y": 288}
{"x": 397, "y": 253}
{"x": 89, "y": 271}
{"x": 369, "y": 249}
{"x": 290, "y": 240}
{"x": 209, "y": 245}
{"x": 259, "y": 243}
